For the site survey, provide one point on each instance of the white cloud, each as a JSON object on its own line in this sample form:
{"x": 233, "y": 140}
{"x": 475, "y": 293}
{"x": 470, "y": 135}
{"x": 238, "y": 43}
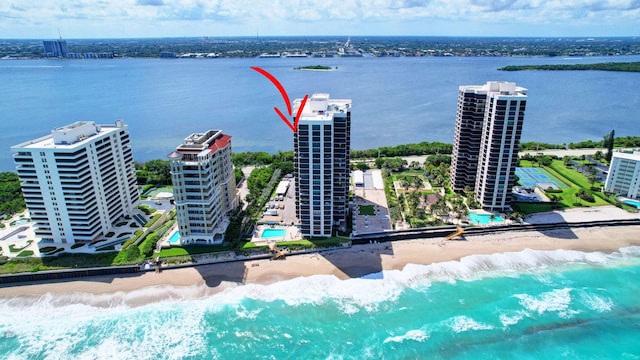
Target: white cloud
{"x": 86, "y": 18}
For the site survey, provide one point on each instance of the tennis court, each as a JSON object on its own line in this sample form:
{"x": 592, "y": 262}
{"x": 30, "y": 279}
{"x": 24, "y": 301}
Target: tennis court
{"x": 531, "y": 177}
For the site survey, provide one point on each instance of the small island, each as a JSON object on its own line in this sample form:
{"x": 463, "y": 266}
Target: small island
{"x": 609, "y": 66}
{"x": 314, "y": 67}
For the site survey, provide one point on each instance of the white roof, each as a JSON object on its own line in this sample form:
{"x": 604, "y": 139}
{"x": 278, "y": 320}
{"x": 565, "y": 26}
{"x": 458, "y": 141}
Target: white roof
{"x": 282, "y": 187}
{"x": 377, "y": 179}
{"x": 358, "y": 177}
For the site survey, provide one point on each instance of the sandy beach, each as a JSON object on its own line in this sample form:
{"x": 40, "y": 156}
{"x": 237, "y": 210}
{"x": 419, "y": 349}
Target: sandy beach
{"x": 354, "y": 262}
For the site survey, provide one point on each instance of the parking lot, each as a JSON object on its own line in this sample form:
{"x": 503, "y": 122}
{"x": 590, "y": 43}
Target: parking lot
{"x": 284, "y": 207}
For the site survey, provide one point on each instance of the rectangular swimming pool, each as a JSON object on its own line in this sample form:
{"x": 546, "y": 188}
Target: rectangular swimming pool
{"x": 484, "y": 219}
{"x": 271, "y": 233}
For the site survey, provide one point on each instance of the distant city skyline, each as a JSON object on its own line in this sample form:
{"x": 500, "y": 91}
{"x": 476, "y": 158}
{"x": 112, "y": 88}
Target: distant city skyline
{"x": 169, "y": 18}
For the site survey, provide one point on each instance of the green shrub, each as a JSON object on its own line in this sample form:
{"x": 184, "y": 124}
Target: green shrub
{"x": 47, "y": 249}
{"x": 585, "y": 195}
{"x": 75, "y": 246}
{"x": 149, "y": 244}
{"x": 4, "y": 260}
{"x": 110, "y": 234}
{"x": 153, "y": 220}
{"x": 127, "y": 256}
{"x": 146, "y": 209}
{"x": 26, "y": 253}
{"x": 135, "y": 237}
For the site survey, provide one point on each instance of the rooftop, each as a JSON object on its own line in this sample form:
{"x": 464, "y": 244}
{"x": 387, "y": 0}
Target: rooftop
{"x": 211, "y": 140}
{"x": 71, "y": 136}
{"x": 496, "y": 87}
{"x": 321, "y": 107}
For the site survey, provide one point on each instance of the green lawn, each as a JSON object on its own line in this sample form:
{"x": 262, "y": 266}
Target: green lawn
{"x": 366, "y": 210}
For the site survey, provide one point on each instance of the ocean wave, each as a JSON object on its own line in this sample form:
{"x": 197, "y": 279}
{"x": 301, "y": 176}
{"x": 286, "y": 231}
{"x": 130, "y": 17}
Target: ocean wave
{"x": 351, "y": 295}
{"x": 461, "y": 324}
{"x": 557, "y": 300}
{"x": 418, "y": 335}
{"x": 597, "y": 303}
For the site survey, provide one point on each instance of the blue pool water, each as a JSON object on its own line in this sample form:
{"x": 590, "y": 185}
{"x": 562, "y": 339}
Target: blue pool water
{"x": 483, "y": 219}
{"x": 632, "y": 203}
{"x": 271, "y": 233}
{"x": 175, "y": 238}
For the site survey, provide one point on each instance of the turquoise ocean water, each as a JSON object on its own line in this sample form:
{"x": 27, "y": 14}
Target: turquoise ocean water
{"x": 525, "y": 305}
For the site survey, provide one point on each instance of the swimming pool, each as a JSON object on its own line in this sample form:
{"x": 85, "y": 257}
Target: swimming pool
{"x": 271, "y": 233}
{"x": 174, "y": 239}
{"x": 484, "y": 219}
{"x": 632, "y": 202}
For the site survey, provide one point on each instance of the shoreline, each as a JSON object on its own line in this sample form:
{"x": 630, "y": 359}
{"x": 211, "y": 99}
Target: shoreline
{"x": 355, "y": 262}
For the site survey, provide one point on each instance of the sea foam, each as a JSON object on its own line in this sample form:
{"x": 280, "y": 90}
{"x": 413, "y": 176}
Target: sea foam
{"x": 361, "y": 293}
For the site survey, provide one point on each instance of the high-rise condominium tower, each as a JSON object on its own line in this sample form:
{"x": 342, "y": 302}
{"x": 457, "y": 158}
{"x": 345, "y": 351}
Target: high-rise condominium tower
{"x": 78, "y": 181}
{"x": 486, "y": 140}
{"x": 321, "y": 146}
{"x": 204, "y": 187}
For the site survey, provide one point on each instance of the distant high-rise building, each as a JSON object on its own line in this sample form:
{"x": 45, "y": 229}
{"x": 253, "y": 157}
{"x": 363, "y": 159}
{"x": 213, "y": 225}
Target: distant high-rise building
{"x": 55, "y": 48}
{"x": 321, "y": 146}
{"x": 486, "y": 141}
{"x": 624, "y": 174}
{"x": 204, "y": 186}
{"x": 78, "y": 181}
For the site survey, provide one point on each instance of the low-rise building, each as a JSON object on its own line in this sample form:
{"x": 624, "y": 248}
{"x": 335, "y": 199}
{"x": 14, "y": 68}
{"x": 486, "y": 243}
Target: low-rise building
{"x": 624, "y": 174}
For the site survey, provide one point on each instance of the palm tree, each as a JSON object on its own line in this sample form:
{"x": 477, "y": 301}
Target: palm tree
{"x": 418, "y": 182}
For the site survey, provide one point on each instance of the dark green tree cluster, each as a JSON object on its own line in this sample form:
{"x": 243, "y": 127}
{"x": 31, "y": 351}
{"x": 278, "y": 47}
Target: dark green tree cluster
{"x": 609, "y": 66}
{"x": 437, "y": 169}
{"x": 437, "y": 160}
{"x": 282, "y": 160}
{"x": 393, "y": 164}
{"x": 11, "y": 199}
{"x": 251, "y": 158}
{"x": 156, "y": 172}
{"x": 532, "y": 145}
{"x": 627, "y": 141}
{"x": 423, "y": 148}
{"x": 257, "y": 181}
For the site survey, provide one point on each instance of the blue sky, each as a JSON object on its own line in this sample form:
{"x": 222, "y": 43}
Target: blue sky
{"x": 174, "y": 18}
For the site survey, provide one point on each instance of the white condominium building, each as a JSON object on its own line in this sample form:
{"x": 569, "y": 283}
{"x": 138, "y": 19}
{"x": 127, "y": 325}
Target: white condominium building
{"x": 204, "y": 187}
{"x": 624, "y": 174}
{"x": 77, "y": 182}
{"x": 321, "y": 146}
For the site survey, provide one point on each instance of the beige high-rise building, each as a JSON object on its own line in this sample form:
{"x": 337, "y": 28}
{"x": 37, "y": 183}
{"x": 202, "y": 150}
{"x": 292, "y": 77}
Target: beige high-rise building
{"x": 204, "y": 187}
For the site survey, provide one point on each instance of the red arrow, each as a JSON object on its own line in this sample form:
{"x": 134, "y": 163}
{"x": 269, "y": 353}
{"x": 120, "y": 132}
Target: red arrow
{"x": 285, "y": 97}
